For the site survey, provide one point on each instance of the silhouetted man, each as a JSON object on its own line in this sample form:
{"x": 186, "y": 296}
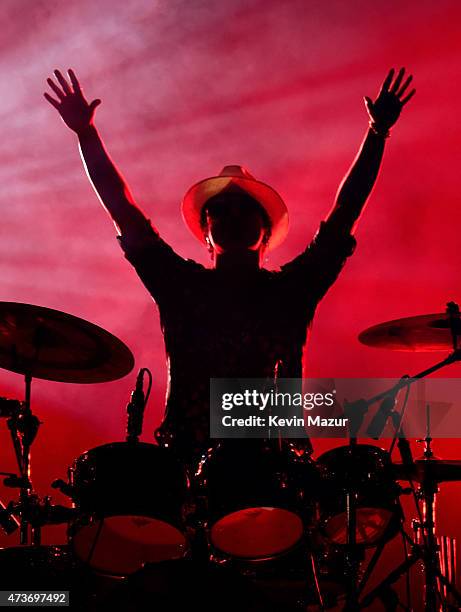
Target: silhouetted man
{"x": 236, "y": 319}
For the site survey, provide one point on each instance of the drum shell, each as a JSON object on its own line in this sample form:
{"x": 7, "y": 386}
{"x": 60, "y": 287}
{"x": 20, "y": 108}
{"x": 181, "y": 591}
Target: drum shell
{"x": 137, "y": 479}
{"x": 251, "y": 473}
{"x": 365, "y": 469}
{"x": 258, "y": 499}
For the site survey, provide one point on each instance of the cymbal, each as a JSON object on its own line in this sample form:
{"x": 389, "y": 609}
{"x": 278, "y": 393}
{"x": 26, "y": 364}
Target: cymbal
{"x": 438, "y": 470}
{"x": 421, "y": 333}
{"x": 53, "y": 345}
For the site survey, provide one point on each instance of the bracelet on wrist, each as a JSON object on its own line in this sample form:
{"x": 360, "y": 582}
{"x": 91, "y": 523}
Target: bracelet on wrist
{"x": 379, "y": 130}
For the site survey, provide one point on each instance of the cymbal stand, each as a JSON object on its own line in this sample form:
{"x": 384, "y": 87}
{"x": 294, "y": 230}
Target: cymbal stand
{"x": 352, "y": 555}
{"x": 418, "y": 553}
{"x": 427, "y": 492}
{"x": 428, "y": 550}
{"x": 356, "y": 411}
{"x": 23, "y": 426}
{"x": 424, "y": 549}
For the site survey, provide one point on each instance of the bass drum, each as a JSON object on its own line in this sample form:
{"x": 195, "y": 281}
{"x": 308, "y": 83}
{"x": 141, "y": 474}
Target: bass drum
{"x": 186, "y": 585}
{"x": 259, "y": 498}
{"x": 367, "y": 471}
{"x": 129, "y": 499}
{"x": 311, "y": 575}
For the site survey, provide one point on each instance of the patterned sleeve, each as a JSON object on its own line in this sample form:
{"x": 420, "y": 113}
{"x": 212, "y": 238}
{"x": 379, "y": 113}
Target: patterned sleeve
{"x": 314, "y": 271}
{"x": 156, "y": 263}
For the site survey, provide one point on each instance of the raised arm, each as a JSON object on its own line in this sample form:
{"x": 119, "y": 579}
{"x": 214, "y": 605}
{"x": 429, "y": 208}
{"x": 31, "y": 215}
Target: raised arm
{"x": 358, "y": 182}
{"x": 107, "y": 181}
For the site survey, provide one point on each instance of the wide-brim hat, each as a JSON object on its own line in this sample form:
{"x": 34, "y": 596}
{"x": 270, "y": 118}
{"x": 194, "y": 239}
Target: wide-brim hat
{"x": 196, "y": 197}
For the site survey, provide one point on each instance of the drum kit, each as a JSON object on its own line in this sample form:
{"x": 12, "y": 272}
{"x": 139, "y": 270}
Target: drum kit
{"x": 255, "y": 524}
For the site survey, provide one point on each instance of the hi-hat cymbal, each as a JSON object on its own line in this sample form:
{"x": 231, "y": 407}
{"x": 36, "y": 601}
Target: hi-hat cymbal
{"x": 421, "y": 333}
{"x": 53, "y": 345}
{"x": 436, "y": 470}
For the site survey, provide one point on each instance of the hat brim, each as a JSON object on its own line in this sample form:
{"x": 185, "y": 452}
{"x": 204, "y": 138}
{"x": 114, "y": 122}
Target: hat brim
{"x": 270, "y": 200}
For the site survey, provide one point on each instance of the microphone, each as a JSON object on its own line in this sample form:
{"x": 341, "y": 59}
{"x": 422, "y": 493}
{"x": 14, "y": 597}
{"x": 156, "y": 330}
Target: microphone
{"x": 405, "y": 452}
{"x": 378, "y": 422}
{"x": 135, "y": 410}
{"x": 403, "y": 444}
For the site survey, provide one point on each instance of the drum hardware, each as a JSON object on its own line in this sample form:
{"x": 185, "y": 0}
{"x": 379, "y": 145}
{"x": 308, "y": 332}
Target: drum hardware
{"x": 352, "y": 558}
{"x": 64, "y": 487}
{"x": 427, "y": 492}
{"x": 23, "y": 427}
{"x": 433, "y": 332}
{"x": 357, "y": 410}
{"x": 423, "y": 549}
{"x": 8, "y": 522}
{"x": 423, "y": 333}
{"x": 33, "y": 512}
{"x": 428, "y": 472}
{"x": 195, "y": 518}
{"x": 44, "y": 343}
{"x": 448, "y": 565}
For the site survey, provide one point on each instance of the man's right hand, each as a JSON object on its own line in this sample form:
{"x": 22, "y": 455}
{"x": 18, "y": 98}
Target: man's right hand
{"x": 75, "y": 111}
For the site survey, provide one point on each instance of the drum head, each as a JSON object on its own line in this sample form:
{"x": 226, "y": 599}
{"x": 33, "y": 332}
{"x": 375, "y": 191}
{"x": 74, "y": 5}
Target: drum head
{"x": 365, "y": 471}
{"x": 260, "y": 498}
{"x": 372, "y": 524}
{"x": 257, "y": 533}
{"x": 120, "y": 545}
{"x": 129, "y": 500}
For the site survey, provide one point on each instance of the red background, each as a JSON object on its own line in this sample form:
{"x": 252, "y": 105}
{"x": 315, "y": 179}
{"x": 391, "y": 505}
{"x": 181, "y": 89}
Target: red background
{"x": 188, "y": 87}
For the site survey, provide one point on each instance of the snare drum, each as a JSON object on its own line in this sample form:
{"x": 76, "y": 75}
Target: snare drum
{"x": 129, "y": 500}
{"x": 259, "y": 497}
{"x": 363, "y": 470}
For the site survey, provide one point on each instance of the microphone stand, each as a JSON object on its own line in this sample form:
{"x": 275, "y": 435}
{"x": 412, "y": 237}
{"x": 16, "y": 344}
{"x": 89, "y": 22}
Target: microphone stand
{"x": 426, "y": 550}
{"x": 356, "y": 412}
